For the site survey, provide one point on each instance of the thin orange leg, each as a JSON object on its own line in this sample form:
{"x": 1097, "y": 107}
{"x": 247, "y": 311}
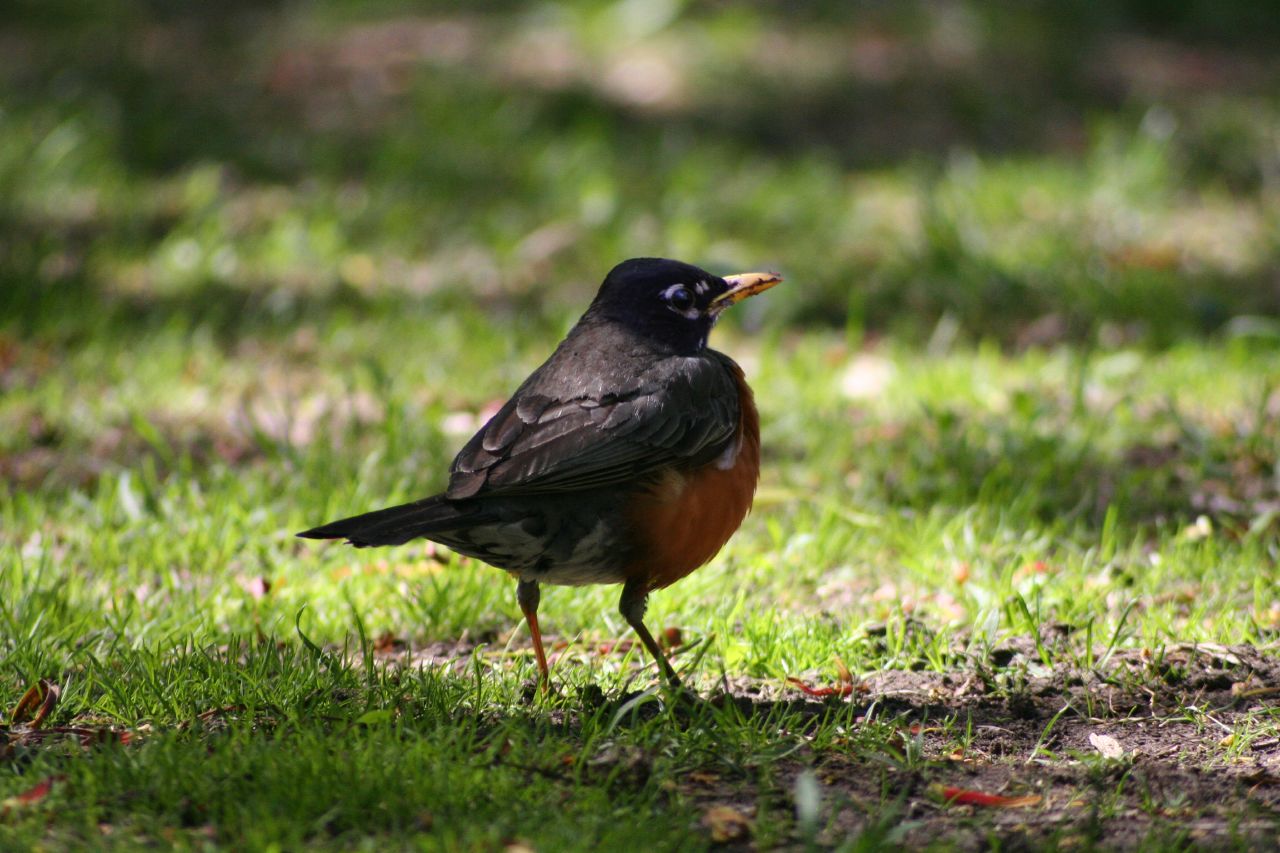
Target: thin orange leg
{"x": 528, "y": 595}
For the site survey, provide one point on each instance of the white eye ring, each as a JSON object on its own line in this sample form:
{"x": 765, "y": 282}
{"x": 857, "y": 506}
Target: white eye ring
{"x": 680, "y": 298}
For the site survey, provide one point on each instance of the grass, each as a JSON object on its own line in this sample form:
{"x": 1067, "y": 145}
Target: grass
{"x": 1020, "y": 413}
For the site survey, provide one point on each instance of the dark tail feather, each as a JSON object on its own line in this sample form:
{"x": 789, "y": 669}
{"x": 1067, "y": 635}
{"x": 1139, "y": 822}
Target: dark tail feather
{"x": 398, "y": 524}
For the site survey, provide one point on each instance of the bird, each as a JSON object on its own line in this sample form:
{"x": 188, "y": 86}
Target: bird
{"x": 630, "y": 456}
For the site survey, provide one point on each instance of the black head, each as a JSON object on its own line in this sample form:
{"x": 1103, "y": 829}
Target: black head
{"x": 672, "y": 303}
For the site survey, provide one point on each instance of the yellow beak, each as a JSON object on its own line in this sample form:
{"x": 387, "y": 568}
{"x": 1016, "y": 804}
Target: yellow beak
{"x": 743, "y": 285}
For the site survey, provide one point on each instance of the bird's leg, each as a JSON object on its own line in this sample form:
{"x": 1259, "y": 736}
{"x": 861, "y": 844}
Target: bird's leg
{"x": 528, "y": 595}
{"x": 634, "y": 601}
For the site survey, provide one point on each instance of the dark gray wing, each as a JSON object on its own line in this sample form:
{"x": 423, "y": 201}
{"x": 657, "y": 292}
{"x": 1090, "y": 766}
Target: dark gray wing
{"x": 681, "y": 410}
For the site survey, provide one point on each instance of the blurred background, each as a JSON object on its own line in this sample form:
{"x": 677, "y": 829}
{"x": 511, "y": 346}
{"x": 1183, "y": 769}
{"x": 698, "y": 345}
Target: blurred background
{"x": 294, "y": 252}
{"x": 1032, "y": 172}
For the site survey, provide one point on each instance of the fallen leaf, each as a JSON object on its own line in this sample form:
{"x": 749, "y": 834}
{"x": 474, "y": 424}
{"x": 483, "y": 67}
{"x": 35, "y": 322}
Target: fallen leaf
{"x": 966, "y": 797}
{"x": 218, "y": 712}
{"x": 840, "y": 690}
{"x": 726, "y": 823}
{"x": 31, "y": 796}
{"x": 703, "y": 777}
{"x": 1107, "y": 745}
{"x": 672, "y": 637}
{"x": 39, "y": 792}
{"x": 40, "y": 698}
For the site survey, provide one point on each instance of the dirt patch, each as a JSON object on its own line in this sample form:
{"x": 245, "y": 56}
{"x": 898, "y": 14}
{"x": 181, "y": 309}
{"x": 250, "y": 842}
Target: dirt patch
{"x": 1179, "y": 748}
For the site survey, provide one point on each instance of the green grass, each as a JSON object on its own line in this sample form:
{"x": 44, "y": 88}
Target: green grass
{"x": 1020, "y": 405}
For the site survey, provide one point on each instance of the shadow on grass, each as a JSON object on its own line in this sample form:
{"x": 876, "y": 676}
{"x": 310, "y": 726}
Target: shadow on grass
{"x": 890, "y": 83}
{"x": 1119, "y": 751}
{"x": 175, "y": 89}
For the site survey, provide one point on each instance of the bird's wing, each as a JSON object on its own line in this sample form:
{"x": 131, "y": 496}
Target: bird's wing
{"x": 682, "y": 411}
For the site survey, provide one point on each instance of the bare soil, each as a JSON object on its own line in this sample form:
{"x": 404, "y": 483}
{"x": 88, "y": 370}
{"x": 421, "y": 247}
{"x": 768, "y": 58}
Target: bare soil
{"x": 1193, "y": 736}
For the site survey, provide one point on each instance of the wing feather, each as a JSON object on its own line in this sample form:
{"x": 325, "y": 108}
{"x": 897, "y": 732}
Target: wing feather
{"x": 682, "y": 411}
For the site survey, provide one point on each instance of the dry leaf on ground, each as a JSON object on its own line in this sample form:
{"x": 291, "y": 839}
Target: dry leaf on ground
{"x": 31, "y": 796}
{"x": 966, "y": 797}
{"x": 726, "y": 823}
{"x": 37, "y": 703}
{"x": 1107, "y": 745}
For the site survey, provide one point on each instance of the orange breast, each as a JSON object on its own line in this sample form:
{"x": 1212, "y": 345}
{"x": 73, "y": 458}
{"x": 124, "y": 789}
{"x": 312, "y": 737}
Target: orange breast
{"x": 686, "y": 519}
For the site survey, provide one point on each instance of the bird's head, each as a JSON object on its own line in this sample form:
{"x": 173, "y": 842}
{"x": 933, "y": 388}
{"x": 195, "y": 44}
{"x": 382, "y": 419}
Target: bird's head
{"x": 672, "y": 303}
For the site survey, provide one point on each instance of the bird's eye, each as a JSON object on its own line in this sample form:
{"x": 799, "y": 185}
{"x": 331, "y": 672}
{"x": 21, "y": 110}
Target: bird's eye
{"x": 679, "y": 297}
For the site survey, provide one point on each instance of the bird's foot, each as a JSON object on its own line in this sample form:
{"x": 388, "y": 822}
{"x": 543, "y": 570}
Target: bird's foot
{"x": 533, "y": 689}
{"x": 673, "y": 698}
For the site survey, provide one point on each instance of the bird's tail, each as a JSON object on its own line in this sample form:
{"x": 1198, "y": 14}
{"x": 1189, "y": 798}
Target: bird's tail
{"x": 398, "y": 524}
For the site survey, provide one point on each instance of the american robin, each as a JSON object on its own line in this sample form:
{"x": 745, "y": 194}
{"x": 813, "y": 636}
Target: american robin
{"x": 630, "y": 456}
